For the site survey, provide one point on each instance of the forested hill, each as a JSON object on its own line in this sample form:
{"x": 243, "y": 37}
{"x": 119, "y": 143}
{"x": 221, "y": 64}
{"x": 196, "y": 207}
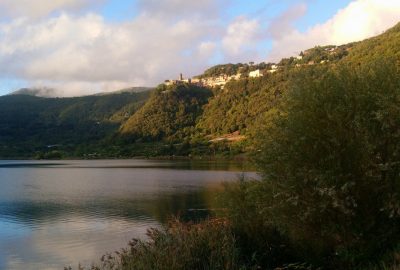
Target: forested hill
{"x": 30, "y": 124}
{"x": 383, "y": 46}
{"x": 242, "y": 104}
{"x": 170, "y": 113}
{"x": 178, "y": 119}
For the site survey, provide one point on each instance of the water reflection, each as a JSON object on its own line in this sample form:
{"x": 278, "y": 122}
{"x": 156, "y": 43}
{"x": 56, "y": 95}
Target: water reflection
{"x": 224, "y": 165}
{"x": 54, "y": 214}
{"x": 66, "y": 241}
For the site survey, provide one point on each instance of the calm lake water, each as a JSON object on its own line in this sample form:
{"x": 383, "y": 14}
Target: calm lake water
{"x": 59, "y": 213}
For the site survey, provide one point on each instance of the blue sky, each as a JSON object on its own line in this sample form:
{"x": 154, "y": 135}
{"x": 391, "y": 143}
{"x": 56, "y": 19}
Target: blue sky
{"x": 118, "y": 11}
{"x": 85, "y": 46}
{"x": 318, "y": 11}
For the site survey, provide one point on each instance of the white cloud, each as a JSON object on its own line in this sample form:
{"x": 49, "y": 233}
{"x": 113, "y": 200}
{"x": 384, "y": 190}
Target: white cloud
{"x": 206, "y": 49}
{"x": 81, "y": 54}
{"x": 240, "y": 39}
{"x": 31, "y": 8}
{"x": 88, "y": 53}
{"x": 359, "y": 20}
{"x": 284, "y": 23}
{"x": 182, "y": 8}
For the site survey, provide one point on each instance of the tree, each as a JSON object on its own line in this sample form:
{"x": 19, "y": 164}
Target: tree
{"x": 330, "y": 157}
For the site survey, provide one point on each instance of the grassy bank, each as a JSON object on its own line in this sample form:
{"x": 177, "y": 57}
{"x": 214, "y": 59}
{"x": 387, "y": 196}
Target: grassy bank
{"x": 206, "y": 245}
{"x": 238, "y": 237}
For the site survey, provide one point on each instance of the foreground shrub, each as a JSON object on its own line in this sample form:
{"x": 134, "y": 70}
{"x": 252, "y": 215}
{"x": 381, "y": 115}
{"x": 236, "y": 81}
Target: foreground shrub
{"x": 258, "y": 239}
{"x": 208, "y": 245}
{"x": 330, "y": 158}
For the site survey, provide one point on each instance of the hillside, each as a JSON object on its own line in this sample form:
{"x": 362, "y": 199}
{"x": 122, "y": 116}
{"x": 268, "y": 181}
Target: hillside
{"x": 29, "y": 123}
{"x": 182, "y": 113}
{"x": 240, "y": 103}
{"x": 385, "y": 45}
{"x": 170, "y": 113}
{"x": 243, "y": 103}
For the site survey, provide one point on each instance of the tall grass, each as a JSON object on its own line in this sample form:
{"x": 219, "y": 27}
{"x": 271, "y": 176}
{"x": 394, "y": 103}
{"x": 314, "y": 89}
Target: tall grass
{"x": 207, "y": 245}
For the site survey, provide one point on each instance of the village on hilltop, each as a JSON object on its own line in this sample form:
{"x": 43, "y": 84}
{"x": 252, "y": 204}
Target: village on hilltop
{"x": 316, "y": 55}
{"x": 220, "y": 80}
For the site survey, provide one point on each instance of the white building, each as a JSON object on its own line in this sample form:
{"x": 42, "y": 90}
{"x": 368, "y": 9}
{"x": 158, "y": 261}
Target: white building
{"x": 255, "y": 74}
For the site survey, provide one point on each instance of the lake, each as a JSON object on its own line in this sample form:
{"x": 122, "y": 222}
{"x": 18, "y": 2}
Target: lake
{"x": 61, "y": 213}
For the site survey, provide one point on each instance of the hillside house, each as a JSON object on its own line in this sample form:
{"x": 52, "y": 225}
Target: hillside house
{"x": 255, "y": 74}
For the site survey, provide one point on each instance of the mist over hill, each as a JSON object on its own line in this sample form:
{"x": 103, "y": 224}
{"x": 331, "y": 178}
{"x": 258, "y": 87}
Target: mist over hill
{"x": 36, "y": 92}
{"x": 51, "y": 92}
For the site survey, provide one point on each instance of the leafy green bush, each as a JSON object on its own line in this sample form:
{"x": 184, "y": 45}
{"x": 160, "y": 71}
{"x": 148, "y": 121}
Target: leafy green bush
{"x": 259, "y": 241}
{"x": 330, "y": 162}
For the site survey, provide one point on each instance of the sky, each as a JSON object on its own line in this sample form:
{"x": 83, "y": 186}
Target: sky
{"x": 81, "y": 47}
